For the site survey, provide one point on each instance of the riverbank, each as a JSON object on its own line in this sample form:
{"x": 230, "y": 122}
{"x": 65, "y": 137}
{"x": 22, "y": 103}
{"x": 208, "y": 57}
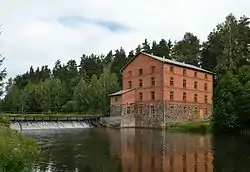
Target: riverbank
{"x": 192, "y": 127}
{"x": 17, "y": 152}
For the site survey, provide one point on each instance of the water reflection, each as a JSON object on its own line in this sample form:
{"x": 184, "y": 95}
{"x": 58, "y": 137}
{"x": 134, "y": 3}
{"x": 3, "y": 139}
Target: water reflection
{"x": 130, "y": 150}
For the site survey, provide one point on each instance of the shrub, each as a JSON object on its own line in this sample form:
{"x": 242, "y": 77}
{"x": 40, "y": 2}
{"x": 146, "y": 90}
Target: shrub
{"x": 17, "y": 152}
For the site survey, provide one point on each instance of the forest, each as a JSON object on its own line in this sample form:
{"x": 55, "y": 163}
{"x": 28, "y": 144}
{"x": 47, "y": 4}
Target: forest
{"x": 84, "y": 87}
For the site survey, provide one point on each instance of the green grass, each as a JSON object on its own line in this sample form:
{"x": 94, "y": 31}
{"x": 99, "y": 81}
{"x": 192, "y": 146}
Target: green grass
{"x": 17, "y": 152}
{"x": 192, "y": 127}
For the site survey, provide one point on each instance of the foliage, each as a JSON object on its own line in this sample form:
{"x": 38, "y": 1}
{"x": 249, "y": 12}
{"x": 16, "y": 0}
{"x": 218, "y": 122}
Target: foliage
{"x": 196, "y": 127}
{"x": 17, "y": 153}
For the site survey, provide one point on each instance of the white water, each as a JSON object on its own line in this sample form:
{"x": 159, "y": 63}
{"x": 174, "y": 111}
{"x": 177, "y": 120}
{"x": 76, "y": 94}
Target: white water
{"x": 47, "y": 125}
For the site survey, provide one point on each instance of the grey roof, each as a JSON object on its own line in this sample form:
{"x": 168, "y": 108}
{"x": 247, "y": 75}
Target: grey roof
{"x": 120, "y": 92}
{"x": 165, "y": 60}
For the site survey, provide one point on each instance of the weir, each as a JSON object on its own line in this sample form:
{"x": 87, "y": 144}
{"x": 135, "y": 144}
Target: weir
{"x": 36, "y": 125}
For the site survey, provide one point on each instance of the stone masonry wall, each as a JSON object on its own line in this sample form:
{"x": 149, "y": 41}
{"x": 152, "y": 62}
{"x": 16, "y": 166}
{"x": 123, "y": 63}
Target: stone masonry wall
{"x": 159, "y": 114}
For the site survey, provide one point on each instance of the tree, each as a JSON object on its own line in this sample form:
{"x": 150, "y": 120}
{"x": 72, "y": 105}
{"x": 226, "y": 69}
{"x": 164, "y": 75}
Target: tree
{"x": 51, "y": 95}
{"x": 188, "y": 49}
{"x": 146, "y": 47}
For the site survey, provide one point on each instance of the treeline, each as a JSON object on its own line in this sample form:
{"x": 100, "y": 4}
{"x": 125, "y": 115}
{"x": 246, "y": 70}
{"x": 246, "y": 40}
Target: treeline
{"x": 84, "y": 87}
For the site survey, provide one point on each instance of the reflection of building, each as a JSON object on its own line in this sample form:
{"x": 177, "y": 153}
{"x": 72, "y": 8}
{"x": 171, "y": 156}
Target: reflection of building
{"x": 155, "y": 87}
{"x": 150, "y": 151}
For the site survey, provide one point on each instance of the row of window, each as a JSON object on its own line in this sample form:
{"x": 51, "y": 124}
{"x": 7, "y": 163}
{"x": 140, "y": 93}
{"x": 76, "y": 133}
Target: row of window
{"x": 152, "y": 110}
{"x": 184, "y": 83}
{"x": 184, "y": 97}
{"x": 184, "y": 71}
{"x": 141, "y": 82}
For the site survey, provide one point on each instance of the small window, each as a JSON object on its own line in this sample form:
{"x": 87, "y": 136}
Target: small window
{"x": 140, "y": 96}
{"x": 171, "y": 95}
{"x": 185, "y": 109}
{"x": 128, "y": 109}
{"x": 129, "y": 73}
{"x": 172, "y": 69}
{"x": 140, "y": 109}
{"x": 172, "y": 81}
{"x": 184, "y": 96}
{"x": 153, "y": 81}
{"x": 205, "y": 98}
{"x": 152, "y": 69}
{"x": 140, "y": 83}
{"x": 195, "y": 85}
{"x": 116, "y": 99}
{"x": 205, "y": 111}
{"x": 195, "y": 98}
{"x": 152, "y": 109}
{"x": 152, "y": 95}
{"x": 171, "y": 109}
{"x": 195, "y": 74}
{"x": 195, "y": 110}
{"x": 129, "y": 84}
{"x": 140, "y": 71}
{"x": 205, "y": 86}
{"x": 184, "y": 83}
{"x": 184, "y": 72}
{"x": 205, "y": 76}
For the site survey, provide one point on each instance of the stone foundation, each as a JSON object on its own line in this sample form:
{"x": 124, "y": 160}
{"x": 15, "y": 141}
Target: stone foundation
{"x": 161, "y": 114}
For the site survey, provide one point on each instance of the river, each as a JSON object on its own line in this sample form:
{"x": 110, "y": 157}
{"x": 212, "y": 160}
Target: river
{"x": 138, "y": 150}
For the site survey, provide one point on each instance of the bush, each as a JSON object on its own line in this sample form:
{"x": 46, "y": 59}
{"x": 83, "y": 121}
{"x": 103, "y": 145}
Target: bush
{"x": 17, "y": 152}
{"x": 196, "y": 127}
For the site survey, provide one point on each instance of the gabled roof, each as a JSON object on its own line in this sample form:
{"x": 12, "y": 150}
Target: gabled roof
{"x": 120, "y": 92}
{"x": 164, "y": 60}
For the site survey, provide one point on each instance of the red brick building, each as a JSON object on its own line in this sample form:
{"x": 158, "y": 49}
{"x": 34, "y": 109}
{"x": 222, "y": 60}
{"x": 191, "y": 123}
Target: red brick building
{"x": 149, "y": 80}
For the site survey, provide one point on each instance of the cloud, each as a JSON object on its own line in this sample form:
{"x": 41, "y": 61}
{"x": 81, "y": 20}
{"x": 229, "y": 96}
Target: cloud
{"x": 40, "y": 32}
{"x": 76, "y": 21}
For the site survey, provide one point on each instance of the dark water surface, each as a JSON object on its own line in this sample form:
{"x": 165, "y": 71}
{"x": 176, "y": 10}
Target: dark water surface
{"x": 138, "y": 150}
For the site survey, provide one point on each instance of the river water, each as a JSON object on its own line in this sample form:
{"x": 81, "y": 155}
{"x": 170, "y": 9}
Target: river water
{"x": 139, "y": 150}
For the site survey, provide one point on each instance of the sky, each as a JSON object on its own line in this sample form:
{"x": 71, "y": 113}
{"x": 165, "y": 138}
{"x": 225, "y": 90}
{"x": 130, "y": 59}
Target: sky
{"x": 36, "y": 32}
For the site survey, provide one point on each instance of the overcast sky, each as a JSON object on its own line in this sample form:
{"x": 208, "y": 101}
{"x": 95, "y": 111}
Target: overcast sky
{"x": 38, "y": 32}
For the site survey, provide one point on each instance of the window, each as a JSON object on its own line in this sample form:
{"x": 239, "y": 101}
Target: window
{"x": 184, "y": 97}
{"x": 205, "y": 111}
{"x": 171, "y": 109}
{"x": 152, "y": 95}
{"x": 128, "y": 109}
{"x": 205, "y": 98}
{"x": 152, "y": 69}
{"x": 195, "y": 97}
{"x": 140, "y": 71}
{"x": 184, "y": 72}
{"x": 195, "y": 110}
{"x": 140, "y": 109}
{"x": 171, "y": 95}
{"x": 205, "y": 86}
{"x": 185, "y": 109}
{"x": 140, "y": 96}
{"x": 184, "y": 83}
{"x": 116, "y": 98}
{"x": 205, "y": 76}
{"x": 129, "y": 73}
{"x": 129, "y": 84}
{"x": 140, "y": 83}
{"x": 195, "y": 74}
{"x": 153, "y": 81}
{"x": 152, "y": 109}
{"x": 195, "y": 85}
{"x": 172, "y": 81}
{"x": 172, "y": 69}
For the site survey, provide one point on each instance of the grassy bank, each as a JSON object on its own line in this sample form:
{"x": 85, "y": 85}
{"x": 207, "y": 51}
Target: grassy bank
{"x": 192, "y": 127}
{"x": 17, "y": 152}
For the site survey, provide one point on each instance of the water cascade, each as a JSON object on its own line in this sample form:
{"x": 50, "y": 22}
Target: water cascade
{"x": 48, "y": 125}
